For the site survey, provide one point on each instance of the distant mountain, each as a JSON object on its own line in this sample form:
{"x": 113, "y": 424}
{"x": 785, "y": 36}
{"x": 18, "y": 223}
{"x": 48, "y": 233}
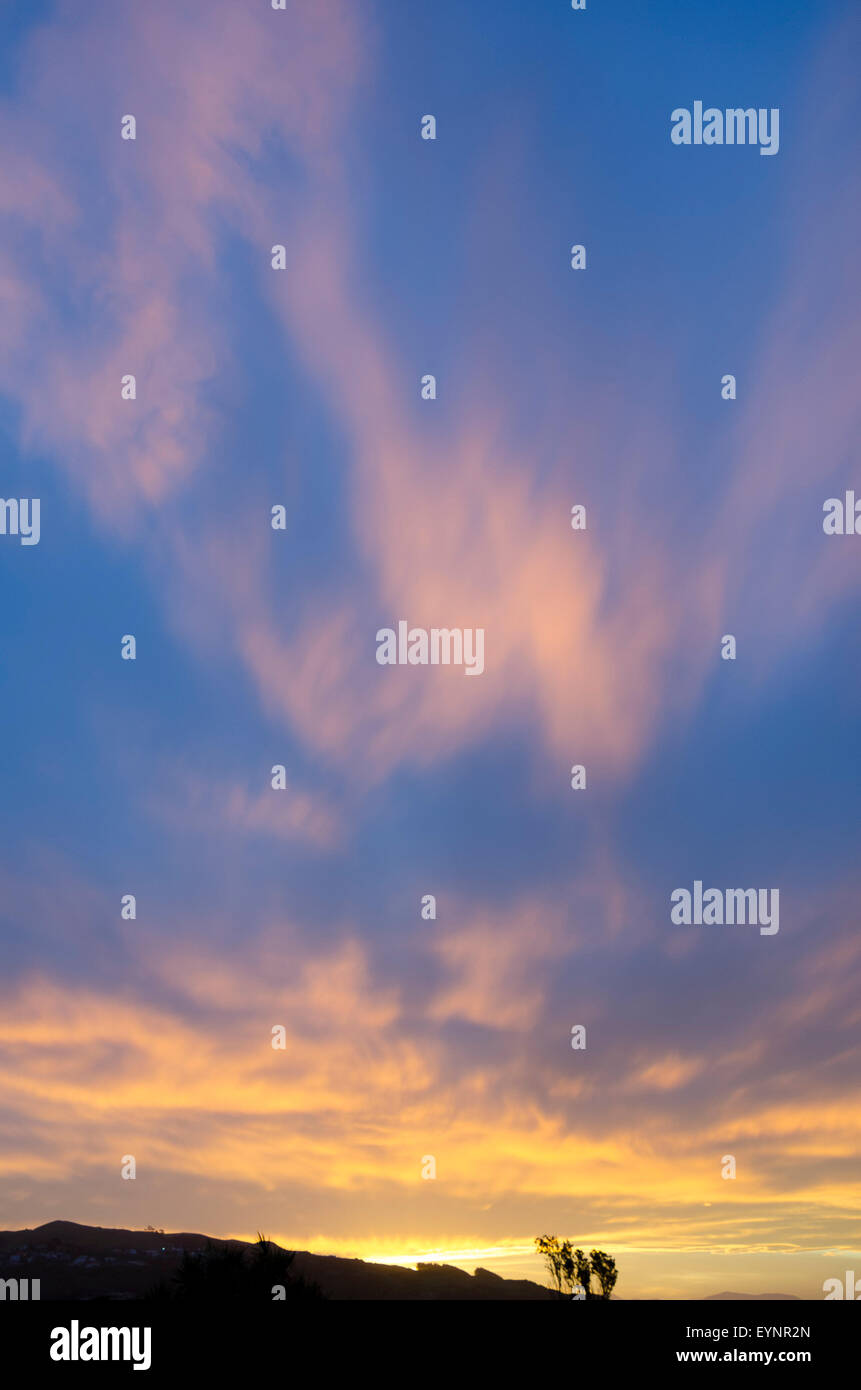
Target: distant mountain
{"x": 752, "y": 1298}
{"x": 87, "y": 1262}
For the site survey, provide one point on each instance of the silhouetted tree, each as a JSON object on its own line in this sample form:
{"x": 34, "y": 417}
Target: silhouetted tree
{"x": 605, "y": 1271}
{"x": 570, "y": 1269}
{"x": 576, "y": 1270}
{"x": 554, "y": 1254}
{"x": 566, "y": 1262}
{"x": 550, "y": 1249}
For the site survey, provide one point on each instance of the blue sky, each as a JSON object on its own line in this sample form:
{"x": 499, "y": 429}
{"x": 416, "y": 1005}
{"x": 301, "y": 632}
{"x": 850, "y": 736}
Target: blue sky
{"x": 256, "y": 647}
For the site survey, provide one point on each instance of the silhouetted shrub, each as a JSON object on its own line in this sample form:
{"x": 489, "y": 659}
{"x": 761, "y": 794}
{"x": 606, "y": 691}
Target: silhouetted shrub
{"x": 226, "y": 1273}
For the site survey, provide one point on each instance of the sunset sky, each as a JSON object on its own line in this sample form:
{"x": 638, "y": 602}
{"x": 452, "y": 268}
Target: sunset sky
{"x": 255, "y": 647}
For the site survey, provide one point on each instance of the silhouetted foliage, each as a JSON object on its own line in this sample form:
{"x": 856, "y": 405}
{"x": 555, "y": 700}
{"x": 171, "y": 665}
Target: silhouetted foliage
{"x": 605, "y": 1271}
{"x": 234, "y": 1274}
{"x": 572, "y": 1269}
{"x": 550, "y": 1248}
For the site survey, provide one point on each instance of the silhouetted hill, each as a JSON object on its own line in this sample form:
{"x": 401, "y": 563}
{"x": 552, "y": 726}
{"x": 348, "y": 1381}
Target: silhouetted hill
{"x": 86, "y": 1262}
{"x": 745, "y": 1297}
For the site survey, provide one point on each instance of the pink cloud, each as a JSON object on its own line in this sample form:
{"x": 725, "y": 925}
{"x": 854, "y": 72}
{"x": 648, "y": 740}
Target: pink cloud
{"x": 468, "y": 538}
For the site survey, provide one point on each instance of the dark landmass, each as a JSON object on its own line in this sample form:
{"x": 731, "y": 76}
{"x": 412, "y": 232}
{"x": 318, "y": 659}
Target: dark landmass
{"x": 744, "y": 1297}
{"x": 93, "y": 1262}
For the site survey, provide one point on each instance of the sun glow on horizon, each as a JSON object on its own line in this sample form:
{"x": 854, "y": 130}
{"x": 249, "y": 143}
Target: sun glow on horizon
{"x": 455, "y": 1257}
